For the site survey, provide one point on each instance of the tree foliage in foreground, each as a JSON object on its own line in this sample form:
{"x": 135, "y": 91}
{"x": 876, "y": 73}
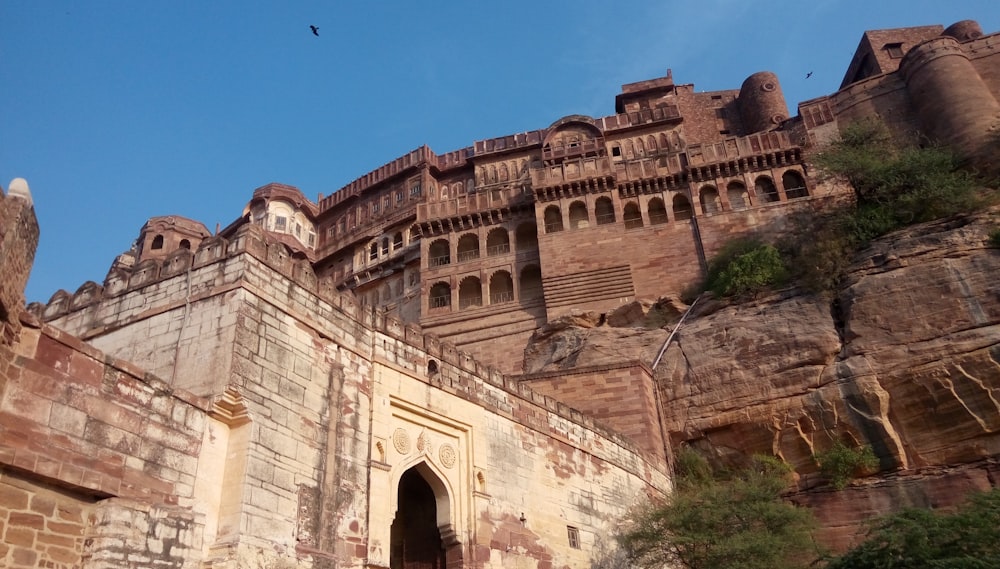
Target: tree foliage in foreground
{"x": 926, "y": 539}
{"x": 732, "y": 521}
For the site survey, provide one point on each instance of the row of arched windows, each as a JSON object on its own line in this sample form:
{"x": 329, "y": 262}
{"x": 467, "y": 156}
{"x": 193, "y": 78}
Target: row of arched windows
{"x": 792, "y": 182}
{"x": 639, "y": 147}
{"x": 383, "y": 248}
{"x": 468, "y": 246}
{"x": 504, "y": 172}
{"x": 499, "y": 290}
{"x": 737, "y": 197}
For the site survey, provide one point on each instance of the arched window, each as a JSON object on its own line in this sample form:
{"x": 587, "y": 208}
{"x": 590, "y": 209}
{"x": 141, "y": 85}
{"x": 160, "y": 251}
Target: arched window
{"x": 497, "y": 242}
{"x": 397, "y": 241}
{"x": 553, "y": 219}
{"x": 504, "y": 174}
{"x": 682, "y": 207}
{"x": 794, "y": 184}
{"x": 767, "y": 192}
{"x": 444, "y": 192}
{"x": 604, "y": 210}
{"x": 185, "y": 244}
{"x": 578, "y": 215}
{"x": 664, "y": 142}
{"x": 657, "y": 211}
{"x": 530, "y": 282}
{"x": 651, "y": 144}
{"x": 385, "y": 246}
{"x": 414, "y": 234}
{"x": 736, "y": 192}
{"x": 440, "y": 296}
{"x": 632, "y": 216}
{"x": 640, "y": 148}
{"x": 432, "y": 368}
{"x": 470, "y": 292}
{"x": 157, "y": 242}
{"x": 526, "y": 236}
{"x": 501, "y": 288}
{"x": 709, "y": 197}
{"x": 439, "y": 253}
{"x": 373, "y": 251}
{"x": 468, "y": 247}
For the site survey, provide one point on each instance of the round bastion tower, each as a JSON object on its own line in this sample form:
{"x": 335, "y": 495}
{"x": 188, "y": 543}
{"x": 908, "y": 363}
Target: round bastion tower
{"x": 953, "y": 104}
{"x": 761, "y": 102}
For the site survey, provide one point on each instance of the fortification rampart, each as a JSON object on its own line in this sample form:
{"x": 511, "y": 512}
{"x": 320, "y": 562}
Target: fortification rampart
{"x": 252, "y": 262}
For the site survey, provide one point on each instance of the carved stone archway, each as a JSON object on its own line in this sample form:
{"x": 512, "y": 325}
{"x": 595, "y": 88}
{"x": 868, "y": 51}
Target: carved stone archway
{"x": 422, "y": 535}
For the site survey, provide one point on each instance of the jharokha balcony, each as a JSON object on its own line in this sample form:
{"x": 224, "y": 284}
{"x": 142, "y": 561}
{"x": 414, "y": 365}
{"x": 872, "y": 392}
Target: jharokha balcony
{"x": 499, "y": 198}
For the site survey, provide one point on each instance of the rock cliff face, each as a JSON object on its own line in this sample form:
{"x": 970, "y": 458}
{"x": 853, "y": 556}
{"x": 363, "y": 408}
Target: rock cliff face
{"x": 905, "y": 358}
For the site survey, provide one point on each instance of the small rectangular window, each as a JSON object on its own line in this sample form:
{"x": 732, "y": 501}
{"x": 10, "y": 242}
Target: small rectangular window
{"x": 298, "y": 230}
{"x": 616, "y": 150}
{"x": 280, "y": 223}
{"x": 895, "y": 50}
{"x": 399, "y": 196}
{"x": 374, "y": 207}
{"x": 312, "y": 239}
{"x": 574, "y": 537}
{"x": 387, "y": 202}
{"x": 415, "y": 190}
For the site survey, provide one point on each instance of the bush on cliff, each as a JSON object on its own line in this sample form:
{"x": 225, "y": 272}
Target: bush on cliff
{"x": 745, "y": 268}
{"x": 895, "y": 185}
{"x": 840, "y": 463}
{"x": 722, "y": 520}
{"x": 969, "y": 538}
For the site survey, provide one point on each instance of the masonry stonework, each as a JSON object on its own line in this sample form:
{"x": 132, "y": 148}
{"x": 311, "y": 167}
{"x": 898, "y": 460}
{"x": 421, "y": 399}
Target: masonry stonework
{"x": 335, "y": 383}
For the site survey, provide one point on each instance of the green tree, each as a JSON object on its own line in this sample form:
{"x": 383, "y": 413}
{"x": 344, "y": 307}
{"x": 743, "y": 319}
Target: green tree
{"x": 895, "y": 185}
{"x": 745, "y": 268}
{"x": 732, "y": 520}
{"x": 925, "y": 539}
{"x": 840, "y": 463}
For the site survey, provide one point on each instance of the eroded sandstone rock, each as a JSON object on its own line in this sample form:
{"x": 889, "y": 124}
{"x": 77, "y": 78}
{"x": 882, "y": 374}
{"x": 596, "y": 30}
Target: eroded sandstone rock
{"x": 905, "y": 358}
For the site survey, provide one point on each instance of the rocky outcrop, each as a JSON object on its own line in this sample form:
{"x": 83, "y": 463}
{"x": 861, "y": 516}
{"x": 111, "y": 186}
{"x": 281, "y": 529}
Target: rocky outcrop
{"x": 905, "y": 358}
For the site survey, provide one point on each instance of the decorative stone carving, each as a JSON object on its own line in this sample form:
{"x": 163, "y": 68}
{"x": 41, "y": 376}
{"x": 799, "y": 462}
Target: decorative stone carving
{"x": 401, "y": 440}
{"x": 447, "y": 455}
{"x": 424, "y": 443}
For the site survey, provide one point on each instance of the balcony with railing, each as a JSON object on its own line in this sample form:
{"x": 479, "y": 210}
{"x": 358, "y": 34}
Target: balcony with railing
{"x": 570, "y": 171}
{"x": 739, "y": 147}
{"x": 472, "y": 203}
{"x": 442, "y": 301}
{"x": 502, "y": 297}
{"x": 439, "y": 261}
{"x": 581, "y": 148}
{"x": 495, "y": 250}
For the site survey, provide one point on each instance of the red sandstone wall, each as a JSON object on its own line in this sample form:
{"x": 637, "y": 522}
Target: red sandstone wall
{"x": 101, "y": 430}
{"x": 621, "y": 396}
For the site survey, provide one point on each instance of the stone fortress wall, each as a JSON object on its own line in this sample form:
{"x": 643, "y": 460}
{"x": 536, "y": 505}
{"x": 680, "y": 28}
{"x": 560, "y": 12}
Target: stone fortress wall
{"x": 284, "y": 417}
{"x": 274, "y": 386}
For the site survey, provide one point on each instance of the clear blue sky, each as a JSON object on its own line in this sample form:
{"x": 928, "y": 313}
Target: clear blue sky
{"x": 117, "y": 111}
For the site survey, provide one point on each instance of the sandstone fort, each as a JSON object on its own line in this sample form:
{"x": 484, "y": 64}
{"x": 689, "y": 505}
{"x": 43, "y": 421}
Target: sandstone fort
{"x": 344, "y": 382}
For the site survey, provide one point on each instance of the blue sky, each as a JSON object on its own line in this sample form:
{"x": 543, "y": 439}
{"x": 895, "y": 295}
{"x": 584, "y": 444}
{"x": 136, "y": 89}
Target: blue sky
{"x": 117, "y": 111}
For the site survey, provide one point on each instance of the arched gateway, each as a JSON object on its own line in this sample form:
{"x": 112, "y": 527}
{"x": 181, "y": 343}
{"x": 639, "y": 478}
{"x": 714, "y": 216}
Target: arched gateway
{"x": 421, "y": 535}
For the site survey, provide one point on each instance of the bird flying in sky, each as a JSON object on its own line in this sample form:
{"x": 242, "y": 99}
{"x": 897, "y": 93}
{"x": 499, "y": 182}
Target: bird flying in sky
{"x": 315, "y": 30}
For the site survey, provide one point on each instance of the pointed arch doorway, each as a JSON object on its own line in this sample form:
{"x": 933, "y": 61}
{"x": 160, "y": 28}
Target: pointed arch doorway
{"x": 416, "y": 533}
